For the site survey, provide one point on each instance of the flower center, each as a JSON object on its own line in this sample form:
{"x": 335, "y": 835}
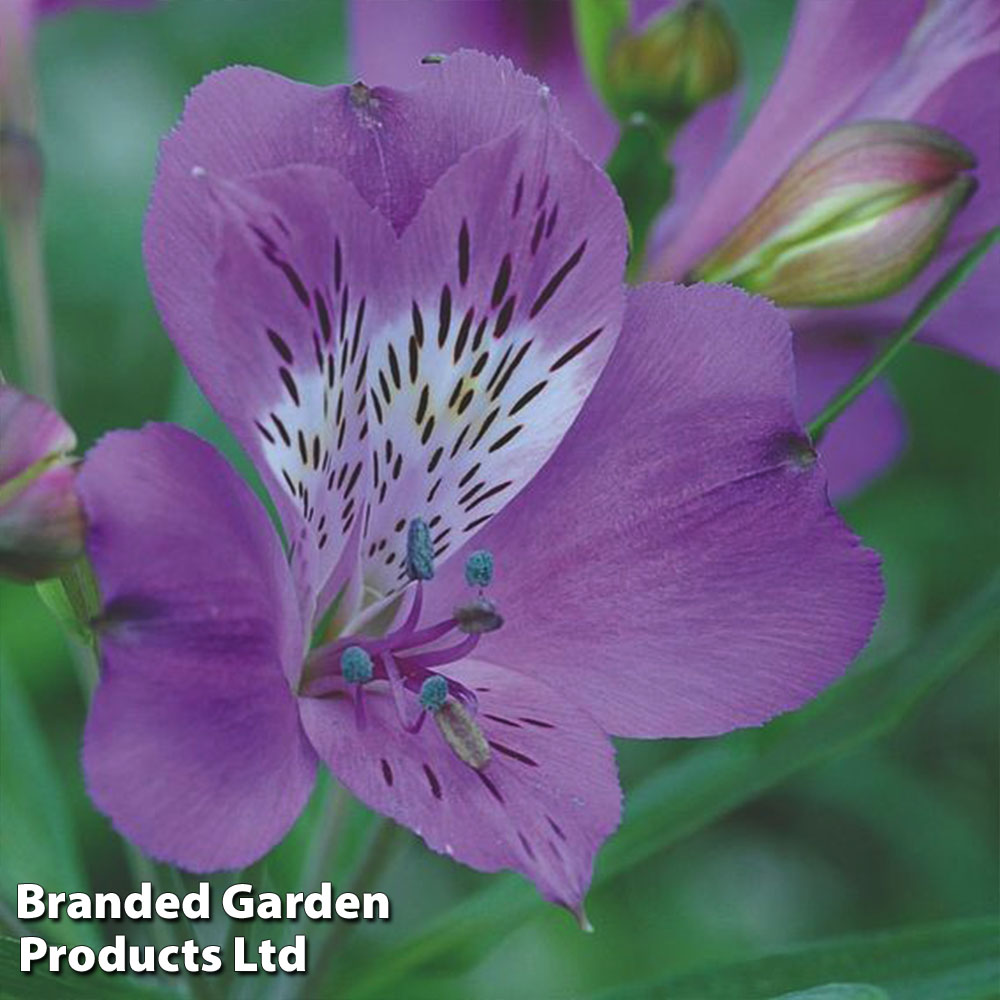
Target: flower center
{"x": 406, "y": 659}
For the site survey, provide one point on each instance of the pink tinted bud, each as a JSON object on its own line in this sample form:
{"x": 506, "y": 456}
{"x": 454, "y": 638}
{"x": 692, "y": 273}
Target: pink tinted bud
{"x": 41, "y": 522}
{"x": 854, "y": 218}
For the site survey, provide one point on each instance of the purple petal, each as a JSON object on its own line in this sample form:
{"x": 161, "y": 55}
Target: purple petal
{"x": 392, "y": 145}
{"x": 836, "y": 52}
{"x": 537, "y": 37}
{"x": 279, "y": 343}
{"x": 542, "y": 805}
{"x": 509, "y": 300}
{"x": 676, "y": 565}
{"x": 696, "y": 155}
{"x": 193, "y": 745}
{"x": 871, "y": 433}
{"x": 950, "y": 36}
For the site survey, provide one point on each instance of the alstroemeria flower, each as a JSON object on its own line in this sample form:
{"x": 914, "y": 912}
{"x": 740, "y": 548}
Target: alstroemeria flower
{"x": 41, "y": 525}
{"x": 853, "y": 60}
{"x": 408, "y": 307}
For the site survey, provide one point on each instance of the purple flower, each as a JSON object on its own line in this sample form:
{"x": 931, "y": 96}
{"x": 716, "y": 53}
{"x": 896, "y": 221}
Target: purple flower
{"x": 847, "y": 61}
{"x": 548, "y": 510}
{"x": 41, "y": 525}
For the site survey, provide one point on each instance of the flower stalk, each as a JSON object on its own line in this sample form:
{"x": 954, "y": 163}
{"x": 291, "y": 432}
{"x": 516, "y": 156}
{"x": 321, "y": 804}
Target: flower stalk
{"x": 929, "y": 304}
{"x": 21, "y": 175}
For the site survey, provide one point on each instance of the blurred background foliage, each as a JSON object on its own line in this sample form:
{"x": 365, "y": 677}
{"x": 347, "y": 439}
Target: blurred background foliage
{"x": 874, "y": 808}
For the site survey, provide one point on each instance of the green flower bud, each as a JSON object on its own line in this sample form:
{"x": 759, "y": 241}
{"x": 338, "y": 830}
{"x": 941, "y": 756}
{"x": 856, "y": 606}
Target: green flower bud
{"x": 854, "y": 218}
{"x": 681, "y": 60}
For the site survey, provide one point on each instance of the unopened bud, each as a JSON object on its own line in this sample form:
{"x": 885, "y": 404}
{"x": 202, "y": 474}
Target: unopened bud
{"x": 678, "y": 62}
{"x": 41, "y": 522}
{"x": 855, "y": 218}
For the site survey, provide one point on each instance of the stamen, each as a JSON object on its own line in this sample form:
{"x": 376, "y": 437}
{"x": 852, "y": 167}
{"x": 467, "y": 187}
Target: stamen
{"x": 399, "y": 694}
{"x": 462, "y": 734}
{"x": 479, "y": 569}
{"x": 419, "y": 551}
{"x": 477, "y": 617}
{"x": 434, "y": 693}
{"x": 356, "y": 665}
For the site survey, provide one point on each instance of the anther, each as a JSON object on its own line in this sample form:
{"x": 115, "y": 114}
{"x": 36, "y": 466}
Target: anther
{"x": 419, "y": 551}
{"x": 461, "y": 733}
{"x": 477, "y": 617}
{"x": 479, "y": 569}
{"x": 434, "y": 693}
{"x": 356, "y": 665}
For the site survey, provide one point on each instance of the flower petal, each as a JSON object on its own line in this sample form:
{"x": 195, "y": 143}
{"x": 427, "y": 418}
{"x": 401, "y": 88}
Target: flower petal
{"x": 676, "y": 565}
{"x": 392, "y": 145}
{"x": 542, "y": 805}
{"x": 509, "y": 301}
{"x": 950, "y": 36}
{"x": 193, "y": 745}
{"x": 283, "y": 358}
{"x": 871, "y": 433}
{"x": 537, "y": 37}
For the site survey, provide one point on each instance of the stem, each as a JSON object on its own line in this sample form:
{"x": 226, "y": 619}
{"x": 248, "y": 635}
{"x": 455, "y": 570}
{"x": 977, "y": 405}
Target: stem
{"x": 20, "y": 195}
{"x": 380, "y": 851}
{"x": 324, "y": 847}
{"x": 26, "y": 281}
{"x": 936, "y": 297}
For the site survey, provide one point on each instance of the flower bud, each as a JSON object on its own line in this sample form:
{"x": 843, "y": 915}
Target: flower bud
{"x": 679, "y": 61}
{"x": 854, "y": 218}
{"x": 41, "y": 522}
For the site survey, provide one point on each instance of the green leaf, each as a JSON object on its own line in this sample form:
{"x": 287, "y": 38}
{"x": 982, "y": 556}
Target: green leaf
{"x": 38, "y": 839}
{"x": 838, "y": 991}
{"x": 713, "y": 778}
{"x": 950, "y": 961}
{"x": 40, "y": 984}
{"x": 644, "y": 180}
{"x": 596, "y": 25}
{"x": 73, "y": 599}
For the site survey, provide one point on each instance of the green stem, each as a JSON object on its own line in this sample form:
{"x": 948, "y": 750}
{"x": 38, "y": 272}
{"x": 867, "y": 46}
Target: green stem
{"x": 321, "y": 854}
{"x": 21, "y": 171}
{"x": 935, "y": 298}
{"x": 26, "y": 281}
{"x": 381, "y": 850}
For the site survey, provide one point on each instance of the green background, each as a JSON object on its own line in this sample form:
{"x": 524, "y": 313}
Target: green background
{"x": 873, "y": 810}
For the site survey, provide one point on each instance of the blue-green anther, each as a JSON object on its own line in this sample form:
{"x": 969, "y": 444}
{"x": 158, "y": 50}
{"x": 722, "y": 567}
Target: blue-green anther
{"x": 434, "y": 693}
{"x": 419, "y": 551}
{"x": 356, "y": 665}
{"x": 479, "y": 569}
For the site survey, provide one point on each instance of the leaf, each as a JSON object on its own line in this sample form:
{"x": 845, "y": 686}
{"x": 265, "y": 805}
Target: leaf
{"x": 950, "y": 961}
{"x": 596, "y": 25}
{"x": 714, "y": 777}
{"x": 38, "y": 841}
{"x": 40, "y": 984}
{"x": 838, "y": 991}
